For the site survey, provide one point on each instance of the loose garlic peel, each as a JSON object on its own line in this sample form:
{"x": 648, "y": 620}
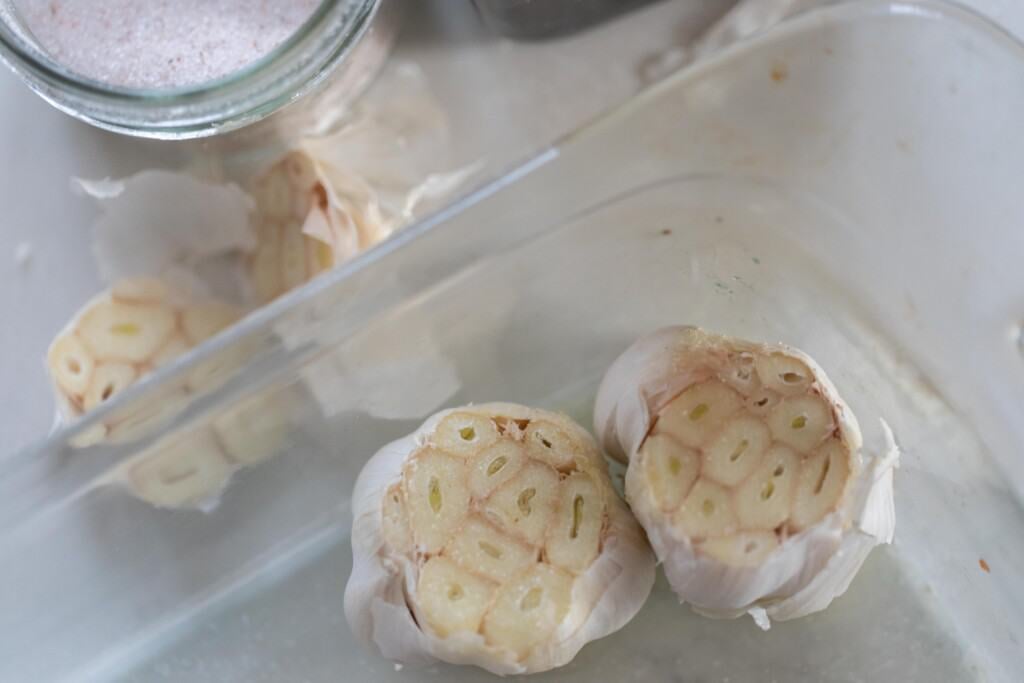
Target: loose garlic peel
{"x": 492, "y": 536}
{"x": 745, "y": 469}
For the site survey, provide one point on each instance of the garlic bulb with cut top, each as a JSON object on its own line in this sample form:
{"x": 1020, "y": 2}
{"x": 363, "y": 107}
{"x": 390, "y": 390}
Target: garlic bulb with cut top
{"x": 746, "y": 469}
{"x": 133, "y": 328}
{"x": 492, "y": 536}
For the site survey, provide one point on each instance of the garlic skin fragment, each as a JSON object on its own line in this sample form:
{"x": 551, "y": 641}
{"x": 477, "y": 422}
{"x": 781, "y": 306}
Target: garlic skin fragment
{"x": 546, "y": 596}
{"x": 794, "y": 523}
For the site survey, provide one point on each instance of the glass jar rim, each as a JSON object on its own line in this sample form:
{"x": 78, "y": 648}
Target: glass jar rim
{"x": 231, "y": 101}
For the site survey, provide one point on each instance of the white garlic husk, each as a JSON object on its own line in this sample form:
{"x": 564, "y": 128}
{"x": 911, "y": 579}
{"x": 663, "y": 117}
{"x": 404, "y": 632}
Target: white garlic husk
{"x": 777, "y": 537}
{"x": 584, "y": 586}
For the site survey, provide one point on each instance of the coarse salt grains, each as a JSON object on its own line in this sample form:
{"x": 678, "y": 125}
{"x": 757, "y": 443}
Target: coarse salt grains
{"x": 161, "y": 44}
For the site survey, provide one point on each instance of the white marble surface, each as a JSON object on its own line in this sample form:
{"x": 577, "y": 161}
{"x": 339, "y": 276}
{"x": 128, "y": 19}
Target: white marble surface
{"x": 46, "y": 267}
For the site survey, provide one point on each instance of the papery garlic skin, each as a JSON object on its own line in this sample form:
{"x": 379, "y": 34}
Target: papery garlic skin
{"x": 545, "y": 593}
{"x": 746, "y": 470}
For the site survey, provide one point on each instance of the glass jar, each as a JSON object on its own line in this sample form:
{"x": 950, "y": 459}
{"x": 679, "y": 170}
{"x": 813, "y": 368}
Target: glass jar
{"x": 305, "y": 81}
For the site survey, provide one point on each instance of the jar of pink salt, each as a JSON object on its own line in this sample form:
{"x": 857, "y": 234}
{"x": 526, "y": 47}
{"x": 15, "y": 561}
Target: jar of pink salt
{"x": 175, "y": 69}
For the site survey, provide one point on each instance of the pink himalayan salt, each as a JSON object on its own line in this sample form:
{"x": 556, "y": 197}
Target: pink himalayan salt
{"x": 161, "y": 43}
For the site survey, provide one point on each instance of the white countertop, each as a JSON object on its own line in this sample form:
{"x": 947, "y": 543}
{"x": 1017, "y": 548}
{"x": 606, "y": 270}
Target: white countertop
{"x": 564, "y": 83}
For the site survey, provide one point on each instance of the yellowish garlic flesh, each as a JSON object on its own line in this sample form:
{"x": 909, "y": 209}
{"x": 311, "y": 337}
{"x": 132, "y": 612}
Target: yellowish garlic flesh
{"x": 499, "y": 527}
{"x": 127, "y": 332}
{"x": 308, "y": 221}
{"x": 123, "y": 334}
{"x": 745, "y": 469}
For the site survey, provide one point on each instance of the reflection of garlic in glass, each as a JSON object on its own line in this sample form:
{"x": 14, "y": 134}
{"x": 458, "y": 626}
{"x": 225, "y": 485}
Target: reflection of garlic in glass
{"x": 492, "y": 536}
{"x": 190, "y": 469}
{"x": 745, "y": 468}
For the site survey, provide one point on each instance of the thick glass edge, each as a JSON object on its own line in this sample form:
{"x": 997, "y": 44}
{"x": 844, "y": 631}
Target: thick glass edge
{"x": 263, "y": 318}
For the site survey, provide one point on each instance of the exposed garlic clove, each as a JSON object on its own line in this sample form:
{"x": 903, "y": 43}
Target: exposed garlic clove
{"x": 187, "y": 472}
{"x": 71, "y": 365}
{"x": 548, "y": 443}
{"x": 265, "y": 269}
{"x": 465, "y": 433}
{"x": 481, "y": 548}
{"x": 205, "y": 320}
{"x": 142, "y": 290}
{"x": 435, "y": 486}
{"x": 293, "y": 256}
{"x": 452, "y": 599}
{"x": 130, "y": 333}
{"x": 762, "y": 401}
{"x": 741, "y": 375}
{"x": 764, "y": 500}
{"x": 256, "y": 429}
{"x": 524, "y": 505}
{"x": 108, "y": 379}
{"x": 820, "y": 485}
{"x": 173, "y": 348}
{"x": 273, "y": 193}
{"x": 135, "y": 327}
{"x": 575, "y": 535}
{"x": 801, "y": 422}
{"x": 146, "y": 416}
{"x": 566, "y": 561}
{"x": 495, "y": 465}
{"x": 696, "y": 414}
{"x": 784, "y": 374}
{"x": 737, "y": 450}
{"x": 783, "y": 533}
{"x": 744, "y": 549}
{"x": 707, "y": 511}
{"x": 670, "y": 468}
{"x": 528, "y": 608}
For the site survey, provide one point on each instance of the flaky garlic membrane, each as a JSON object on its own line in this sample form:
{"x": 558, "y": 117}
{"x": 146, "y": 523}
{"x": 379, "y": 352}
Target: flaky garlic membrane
{"x": 745, "y": 468}
{"x": 492, "y": 536}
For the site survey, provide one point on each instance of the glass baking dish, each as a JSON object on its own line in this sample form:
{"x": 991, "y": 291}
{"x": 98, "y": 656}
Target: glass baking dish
{"x": 847, "y": 182}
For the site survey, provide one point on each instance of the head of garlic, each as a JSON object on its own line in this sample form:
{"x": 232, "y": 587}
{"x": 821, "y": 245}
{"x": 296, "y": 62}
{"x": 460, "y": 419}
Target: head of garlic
{"x": 132, "y": 329}
{"x": 746, "y": 469}
{"x": 492, "y": 536}
{"x": 309, "y": 218}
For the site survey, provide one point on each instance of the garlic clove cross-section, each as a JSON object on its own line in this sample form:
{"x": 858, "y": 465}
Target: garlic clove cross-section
{"x": 492, "y": 536}
{"x": 136, "y": 326}
{"x": 745, "y": 468}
